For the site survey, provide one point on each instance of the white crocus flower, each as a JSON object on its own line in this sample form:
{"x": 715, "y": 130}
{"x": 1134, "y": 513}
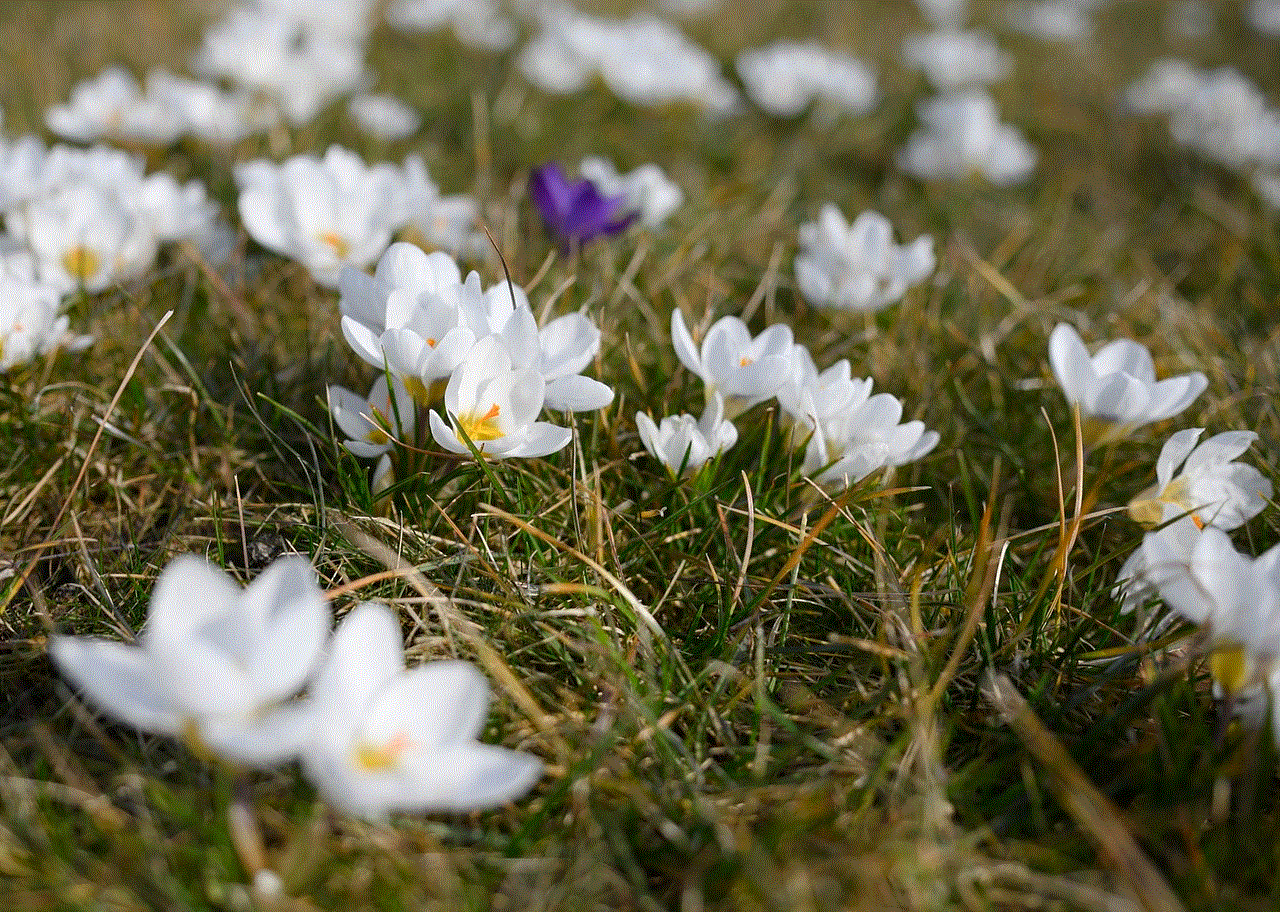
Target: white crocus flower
{"x": 375, "y": 422}
{"x": 30, "y": 323}
{"x": 112, "y": 104}
{"x": 647, "y": 189}
{"x": 744, "y": 370}
{"x": 207, "y": 112}
{"x": 269, "y": 52}
{"x": 955, "y": 60}
{"x": 417, "y": 316}
{"x": 390, "y": 739}
{"x": 864, "y": 437}
{"x": 1212, "y": 487}
{"x": 325, "y": 213}
{"x": 685, "y": 444}
{"x": 176, "y": 212}
{"x": 1116, "y": 388}
{"x": 495, "y": 405}
{"x": 858, "y": 266}
{"x": 448, "y": 223}
{"x": 215, "y": 663}
{"x": 478, "y": 24}
{"x": 1211, "y": 490}
{"x": 785, "y": 77}
{"x": 1235, "y": 597}
{"x": 962, "y": 136}
{"x": 85, "y": 237}
{"x": 808, "y": 397}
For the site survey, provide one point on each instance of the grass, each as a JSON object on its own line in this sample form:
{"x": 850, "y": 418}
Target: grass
{"x": 747, "y": 696}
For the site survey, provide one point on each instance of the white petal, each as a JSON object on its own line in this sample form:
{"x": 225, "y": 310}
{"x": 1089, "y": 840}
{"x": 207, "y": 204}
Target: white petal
{"x": 577, "y": 394}
{"x": 120, "y": 680}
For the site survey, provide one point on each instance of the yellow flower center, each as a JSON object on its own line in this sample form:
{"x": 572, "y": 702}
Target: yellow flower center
{"x": 743, "y": 362}
{"x": 339, "y": 244}
{"x": 1231, "y": 667}
{"x": 375, "y": 757}
{"x": 81, "y": 263}
{"x": 480, "y": 428}
{"x": 1148, "y": 507}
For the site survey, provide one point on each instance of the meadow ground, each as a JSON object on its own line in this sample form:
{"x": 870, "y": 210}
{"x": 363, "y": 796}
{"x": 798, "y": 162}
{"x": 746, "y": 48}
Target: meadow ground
{"x": 920, "y": 695}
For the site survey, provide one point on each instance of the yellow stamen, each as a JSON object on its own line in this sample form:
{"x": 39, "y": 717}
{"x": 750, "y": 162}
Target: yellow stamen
{"x": 381, "y": 756}
{"x": 339, "y": 244}
{"x": 480, "y": 428}
{"x": 744, "y": 362}
{"x": 1231, "y": 668}
{"x": 81, "y": 263}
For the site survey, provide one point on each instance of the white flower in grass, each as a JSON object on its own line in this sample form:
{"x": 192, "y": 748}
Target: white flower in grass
{"x": 448, "y": 223}
{"x": 176, "y": 212}
{"x": 21, "y": 164}
{"x": 1213, "y": 488}
{"x": 495, "y": 405}
{"x": 785, "y": 77}
{"x": 269, "y": 52}
{"x": 478, "y": 24}
{"x": 862, "y": 438}
{"x": 375, "y": 422}
{"x": 30, "y": 323}
{"x": 685, "y": 444}
{"x": 1169, "y": 84}
{"x": 1116, "y": 388}
{"x": 383, "y": 117}
{"x": 1061, "y": 21}
{"x": 1203, "y": 578}
{"x": 808, "y": 397}
{"x": 325, "y": 213}
{"x": 945, "y": 14}
{"x": 744, "y": 370}
{"x": 858, "y": 266}
{"x": 962, "y": 136}
{"x": 216, "y": 664}
{"x": 209, "y": 113}
{"x": 418, "y": 316}
{"x": 112, "y": 104}
{"x": 955, "y": 60}
{"x": 391, "y": 739}
{"x": 646, "y": 190}
{"x": 84, "y": 237}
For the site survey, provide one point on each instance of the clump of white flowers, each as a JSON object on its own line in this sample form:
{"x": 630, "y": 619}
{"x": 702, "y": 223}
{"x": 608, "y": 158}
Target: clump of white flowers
{"x": 955, "y": 60}
{"x": 847, "y": 433}
{"x": 222, "y": 668}
{"x": 643, "y": 60}
{"x": 858, "y": 266}
{"x": 786, "y": 77}
{"x": 962, "y": 136}
{"x": 478, "y": 354}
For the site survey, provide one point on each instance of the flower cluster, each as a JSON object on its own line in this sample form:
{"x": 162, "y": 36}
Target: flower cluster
{"x": 858, "y": 266}
{"x": 224, "y": 669}
{"x": 1219, "y": 114}
{"x": 848, "y": 434}
{"x": 786, "y": 77}
{"x": 333, "y": 212}
{"x": 644, "y": 60}
{"x": 480, "y": 354}
{"x": 962, "y": 136}
{"x": 478, "y": 24}
{"x": 1201, "y": 493}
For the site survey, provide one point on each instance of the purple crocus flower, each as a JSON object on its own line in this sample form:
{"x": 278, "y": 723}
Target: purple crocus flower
{"x": 576, "y": 211}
